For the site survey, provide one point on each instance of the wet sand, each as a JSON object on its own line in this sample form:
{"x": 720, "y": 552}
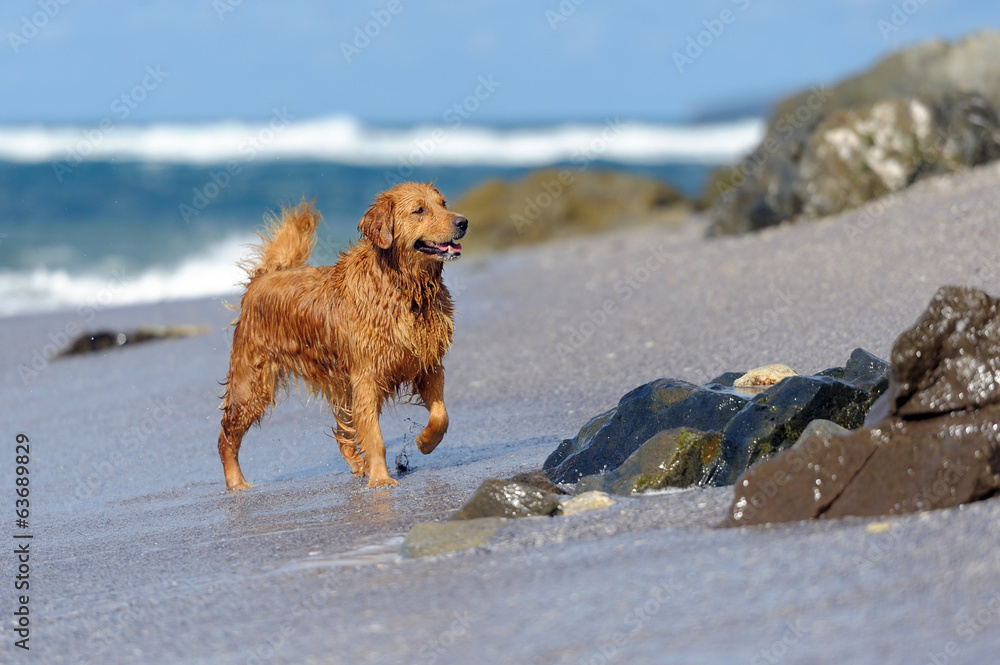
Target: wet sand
{"x": 139, "y": 555}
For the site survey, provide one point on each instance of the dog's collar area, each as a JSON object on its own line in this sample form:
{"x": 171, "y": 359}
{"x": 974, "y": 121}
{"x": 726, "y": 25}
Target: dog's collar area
{"x": 444, "y": 250}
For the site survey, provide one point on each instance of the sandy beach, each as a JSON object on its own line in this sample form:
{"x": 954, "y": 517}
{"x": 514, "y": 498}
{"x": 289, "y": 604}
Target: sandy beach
{"x": 140, "y": 555}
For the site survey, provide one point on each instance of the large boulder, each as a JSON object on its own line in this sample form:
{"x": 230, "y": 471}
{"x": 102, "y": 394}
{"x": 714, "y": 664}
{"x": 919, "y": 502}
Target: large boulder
{"x": 858, "y": 155}
{"x": 968, "y": 65}
{"x": 936, "y": 442}
{"x": 608, "y": 439}
{"x": 557, "y": 203}
{"x": 925, "y": 110}
{"x": 750, "y": 423}
{"x": 840, "y": 160}
{"x": 774, "y": 420}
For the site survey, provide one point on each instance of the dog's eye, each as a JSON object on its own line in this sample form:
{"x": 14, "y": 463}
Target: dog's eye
{"x": 419, "y": 211}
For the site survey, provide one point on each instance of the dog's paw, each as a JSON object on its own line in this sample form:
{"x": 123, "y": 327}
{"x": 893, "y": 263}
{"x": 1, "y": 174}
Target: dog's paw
{"x": 427, "y": 441}
{"x": 241, "y": 486}
{"x": 383, "y": 482}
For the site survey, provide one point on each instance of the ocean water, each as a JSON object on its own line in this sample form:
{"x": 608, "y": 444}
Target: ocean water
{"x": 140, "y": 214}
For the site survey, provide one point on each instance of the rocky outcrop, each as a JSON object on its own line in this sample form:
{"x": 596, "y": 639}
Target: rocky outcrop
{"x": 557, "y": 203}
{"x": 937, "y": 67}
{"x": 838, "y": 161}
{"x": 931, "y": 442}
{"x": 927, "y": 110}
{"x": 747, "y": 424}
{"x": 858, "y": 155}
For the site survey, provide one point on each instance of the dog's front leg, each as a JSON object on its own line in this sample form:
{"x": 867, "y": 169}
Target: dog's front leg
{"x": 366, "y": 408}
{"x": 431, "y": 389}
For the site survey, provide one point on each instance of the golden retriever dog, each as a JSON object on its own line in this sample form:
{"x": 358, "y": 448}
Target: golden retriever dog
{"x": 374, "y": 326}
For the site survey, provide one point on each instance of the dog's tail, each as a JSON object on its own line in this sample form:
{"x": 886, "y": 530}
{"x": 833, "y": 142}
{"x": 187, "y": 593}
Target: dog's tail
{"x": 287, "y": 241}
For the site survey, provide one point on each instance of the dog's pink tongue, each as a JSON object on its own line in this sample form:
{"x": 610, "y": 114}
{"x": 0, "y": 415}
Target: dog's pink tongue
{"x": 450, "y": 246}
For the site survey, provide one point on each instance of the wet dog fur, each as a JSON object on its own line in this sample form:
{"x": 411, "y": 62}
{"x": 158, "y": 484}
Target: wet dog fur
{"x": 372, "y": 327}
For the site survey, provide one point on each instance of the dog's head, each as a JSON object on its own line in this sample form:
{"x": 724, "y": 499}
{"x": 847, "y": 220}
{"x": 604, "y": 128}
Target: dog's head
{"x": 414, "y": 216}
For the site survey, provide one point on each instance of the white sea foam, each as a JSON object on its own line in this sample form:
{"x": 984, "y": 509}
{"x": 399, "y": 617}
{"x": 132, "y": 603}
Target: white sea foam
{"x": 345, "y": 140}
{"x": 212, "y": 273}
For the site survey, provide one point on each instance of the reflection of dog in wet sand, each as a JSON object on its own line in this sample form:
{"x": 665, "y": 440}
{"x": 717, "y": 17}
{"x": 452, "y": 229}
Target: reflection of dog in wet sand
{"x": 374, "y": 326}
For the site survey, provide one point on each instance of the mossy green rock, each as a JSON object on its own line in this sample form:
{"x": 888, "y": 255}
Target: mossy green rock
{"x": 671, "y": 458}
{"x": 558, "y": 203}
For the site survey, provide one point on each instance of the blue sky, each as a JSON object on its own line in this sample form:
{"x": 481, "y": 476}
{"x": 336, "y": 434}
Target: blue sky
{"x": 545, "y": 61}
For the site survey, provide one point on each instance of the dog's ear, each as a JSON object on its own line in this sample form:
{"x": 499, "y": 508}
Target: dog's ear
{"x": 377, "y": 224}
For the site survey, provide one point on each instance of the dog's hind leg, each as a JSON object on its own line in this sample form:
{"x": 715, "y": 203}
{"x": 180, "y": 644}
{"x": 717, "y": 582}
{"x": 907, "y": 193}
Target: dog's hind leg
{"x": 249, "y": 392}
{"x": 348, "y": 446}
{"x": 430, "y": 386}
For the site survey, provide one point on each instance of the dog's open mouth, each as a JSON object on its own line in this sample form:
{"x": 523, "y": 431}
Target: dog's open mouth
{"x": 444, "y": 250}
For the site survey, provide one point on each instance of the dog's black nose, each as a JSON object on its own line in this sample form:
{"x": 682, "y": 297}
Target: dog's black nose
{"x": 461, "y": 223}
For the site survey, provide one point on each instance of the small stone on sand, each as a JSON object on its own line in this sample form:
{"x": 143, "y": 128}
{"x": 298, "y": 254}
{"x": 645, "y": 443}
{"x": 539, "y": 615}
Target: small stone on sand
{"x": 768, "y": 375}
{"x": 584, "y": 502}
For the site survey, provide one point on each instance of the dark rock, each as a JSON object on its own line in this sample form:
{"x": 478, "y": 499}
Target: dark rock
{"x": 937, "y": 446}
{"x": 774, "y": 420}
{"x": 98, "y": 341}
{"x": 570, "y": 447}
{"x": 866, "y": 372}
{"x": 754, "y": 424}
{"x": 539, "y": 480}
{"x": 726, "y": 379}
{"x": 950, "y": 359}
{"x": 507, "y": 498}
{"x": 607, "y": 440}
{"x": 672, "y": 458}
